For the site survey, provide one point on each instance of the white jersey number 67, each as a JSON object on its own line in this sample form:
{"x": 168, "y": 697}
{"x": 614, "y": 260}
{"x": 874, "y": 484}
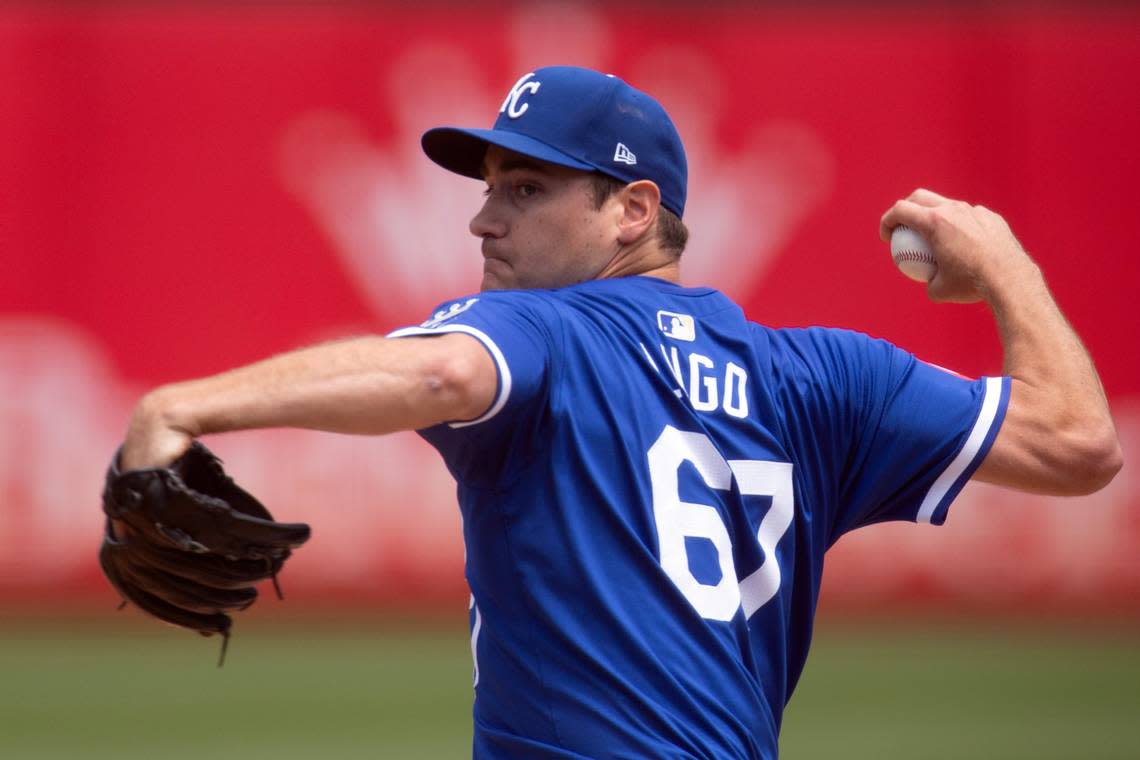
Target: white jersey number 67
{"x": 677, "y": 520}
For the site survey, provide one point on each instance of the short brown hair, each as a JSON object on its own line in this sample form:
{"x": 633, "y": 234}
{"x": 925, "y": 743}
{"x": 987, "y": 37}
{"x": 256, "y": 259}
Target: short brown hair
{"x": 671, "y": 231}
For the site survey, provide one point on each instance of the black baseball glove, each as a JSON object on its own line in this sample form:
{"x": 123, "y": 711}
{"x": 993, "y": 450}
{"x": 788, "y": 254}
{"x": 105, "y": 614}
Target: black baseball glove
{"x": 187, "y": 545}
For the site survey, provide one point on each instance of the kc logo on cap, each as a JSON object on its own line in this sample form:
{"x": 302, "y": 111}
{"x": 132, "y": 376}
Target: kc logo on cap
{"x": 522, "y": 87}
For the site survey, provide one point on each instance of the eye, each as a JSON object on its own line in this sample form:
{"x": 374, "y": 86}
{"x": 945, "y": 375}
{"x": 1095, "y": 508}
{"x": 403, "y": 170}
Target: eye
{"x": 527, "y": 189}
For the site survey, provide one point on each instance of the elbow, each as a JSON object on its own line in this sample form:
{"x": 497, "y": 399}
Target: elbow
{"x": 1094, "y": 462}
{"x": 1056, "y": 443}
{"x": 1109, "y": 461}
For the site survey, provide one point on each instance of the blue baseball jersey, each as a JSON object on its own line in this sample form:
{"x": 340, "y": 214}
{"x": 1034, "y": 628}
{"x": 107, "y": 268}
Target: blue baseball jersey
{"x": 647, "y": 502}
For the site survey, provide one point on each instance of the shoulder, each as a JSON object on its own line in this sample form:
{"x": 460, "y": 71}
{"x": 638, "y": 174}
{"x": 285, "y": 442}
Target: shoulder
{"x": 829, "y": 360}
{"x": 814, "y": 344}
{"x": 555, "y": 312}
{"x": 633, "y": 297}
{"x": 500, "y": 301}
{"x": 493, "y": 313}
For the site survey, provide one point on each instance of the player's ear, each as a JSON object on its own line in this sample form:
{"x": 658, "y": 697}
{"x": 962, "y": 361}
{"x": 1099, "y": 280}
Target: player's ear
{"x": 640, "y": 203}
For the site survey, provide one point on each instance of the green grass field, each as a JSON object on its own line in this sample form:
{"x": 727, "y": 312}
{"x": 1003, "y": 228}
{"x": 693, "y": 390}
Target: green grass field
{"x": 131, "y": 689}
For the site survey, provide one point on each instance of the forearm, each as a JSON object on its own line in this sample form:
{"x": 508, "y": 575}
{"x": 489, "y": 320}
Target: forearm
{"x": 362, "y": 385}
{"x": 367, "y": 385}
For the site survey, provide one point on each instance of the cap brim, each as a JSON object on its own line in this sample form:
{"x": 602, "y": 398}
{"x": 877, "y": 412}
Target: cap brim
{"x": 462, "y": 150}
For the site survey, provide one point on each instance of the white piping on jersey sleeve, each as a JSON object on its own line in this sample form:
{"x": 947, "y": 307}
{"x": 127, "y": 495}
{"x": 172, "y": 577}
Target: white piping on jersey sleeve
{"x": 965, "y": 458}
{"x": 475, "y": 628}
{"x": 492, "y": 348}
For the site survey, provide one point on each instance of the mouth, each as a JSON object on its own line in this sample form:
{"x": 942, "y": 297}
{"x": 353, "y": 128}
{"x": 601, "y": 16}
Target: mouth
{"x": 490, "y": 250}
{"x": 493, "y": 264}
{"x": 497, "y": 270}
{"x": 494, "y": 259}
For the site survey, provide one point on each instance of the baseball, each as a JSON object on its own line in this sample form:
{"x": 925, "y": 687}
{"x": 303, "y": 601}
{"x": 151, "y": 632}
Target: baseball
{"x": 912, "y": 254}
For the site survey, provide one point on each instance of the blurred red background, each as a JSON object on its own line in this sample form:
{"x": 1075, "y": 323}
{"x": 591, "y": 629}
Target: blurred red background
{"x": 187, "y": 188}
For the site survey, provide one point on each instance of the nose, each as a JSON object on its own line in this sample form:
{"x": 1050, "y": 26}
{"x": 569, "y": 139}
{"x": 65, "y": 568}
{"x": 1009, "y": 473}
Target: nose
{"x": 488, "y": 223}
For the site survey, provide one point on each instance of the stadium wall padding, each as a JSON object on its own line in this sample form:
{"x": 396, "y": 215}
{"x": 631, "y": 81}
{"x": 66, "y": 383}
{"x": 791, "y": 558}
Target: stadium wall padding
{"x": 187, "y": 188}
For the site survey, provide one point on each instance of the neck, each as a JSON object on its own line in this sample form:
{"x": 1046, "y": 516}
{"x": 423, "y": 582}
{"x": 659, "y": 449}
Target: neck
{"x": 643, "y": 260}
{"x": 670, "y": 271}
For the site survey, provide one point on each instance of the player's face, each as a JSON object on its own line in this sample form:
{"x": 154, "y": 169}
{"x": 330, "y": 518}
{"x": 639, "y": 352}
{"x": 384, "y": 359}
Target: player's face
{"x": 539, "y": 224}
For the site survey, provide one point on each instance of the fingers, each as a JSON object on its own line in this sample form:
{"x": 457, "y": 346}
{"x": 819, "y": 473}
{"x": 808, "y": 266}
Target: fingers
{"x": 906, "y": 213}
{"x": 929, "y": 198}
{"x": 942, "y": 290}
{"x": 909, "y": 212}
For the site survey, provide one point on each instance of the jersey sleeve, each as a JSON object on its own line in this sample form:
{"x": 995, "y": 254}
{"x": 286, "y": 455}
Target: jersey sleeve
{"x": 902, "y": 436}
{"x": 511, "y": 327}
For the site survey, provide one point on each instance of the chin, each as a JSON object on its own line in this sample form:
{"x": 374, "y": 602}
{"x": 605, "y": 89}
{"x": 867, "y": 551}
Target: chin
{"x": 497, "y": 275}
{"x": 491, "y": 282}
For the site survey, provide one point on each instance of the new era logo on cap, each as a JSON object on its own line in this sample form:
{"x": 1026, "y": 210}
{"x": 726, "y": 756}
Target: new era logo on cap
{"x": 624, "y": 155}
{"x": 580, "y": 119}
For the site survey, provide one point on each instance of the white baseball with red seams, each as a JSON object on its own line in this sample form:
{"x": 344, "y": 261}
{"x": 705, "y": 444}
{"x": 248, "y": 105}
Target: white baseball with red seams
{"x": 912, "y": 254}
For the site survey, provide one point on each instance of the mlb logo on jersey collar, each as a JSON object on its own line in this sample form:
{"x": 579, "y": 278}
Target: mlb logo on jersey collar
{"x": 677, "y": 326}
{"x": 578, "y": 118}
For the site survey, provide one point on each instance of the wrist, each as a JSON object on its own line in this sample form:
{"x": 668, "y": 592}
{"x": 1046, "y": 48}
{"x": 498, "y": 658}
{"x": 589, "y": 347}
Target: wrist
{"x": 1012, "y": 284}
{"x": 156, "y": 435}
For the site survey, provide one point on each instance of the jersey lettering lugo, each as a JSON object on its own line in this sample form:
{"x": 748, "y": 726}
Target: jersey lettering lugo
{"x": 647, "y": 504}
{"x": 708, "y": 386}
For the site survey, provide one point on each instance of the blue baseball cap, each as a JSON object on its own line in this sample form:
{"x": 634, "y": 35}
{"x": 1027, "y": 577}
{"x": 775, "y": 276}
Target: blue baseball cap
{"x": 578, "y": 118}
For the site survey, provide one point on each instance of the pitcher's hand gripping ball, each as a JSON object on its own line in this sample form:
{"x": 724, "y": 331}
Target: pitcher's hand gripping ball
{"x": 187, "y": 545}
{"x": 912, "y": 254}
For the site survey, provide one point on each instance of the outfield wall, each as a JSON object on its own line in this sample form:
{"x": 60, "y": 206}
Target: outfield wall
{"x": 183, "y": 190}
